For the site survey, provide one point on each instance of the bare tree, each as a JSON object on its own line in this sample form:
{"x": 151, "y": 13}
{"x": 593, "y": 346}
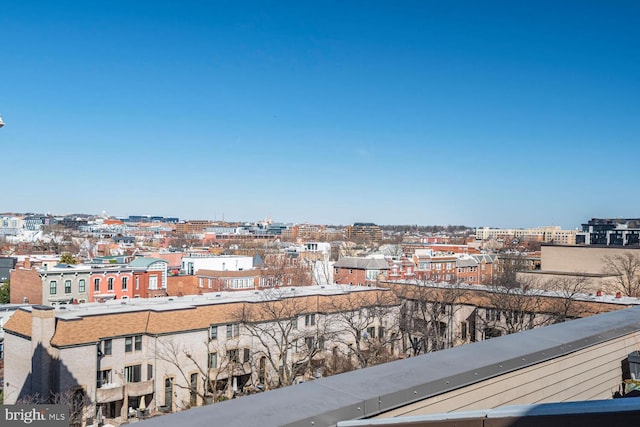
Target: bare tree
{"x": 74, "y": 398}
{"x": 514, "y": 308}
{"x": 288, "y": 332}
{"x": 184, "y": 240}
{"x": 283, "y": 270}
{"x": 368, "y": 325}
{"x": 565, "y": 305}
{"x": 212, "y": 364}
{"x": 428, "y": 316}
{"x": 626, "y": 269}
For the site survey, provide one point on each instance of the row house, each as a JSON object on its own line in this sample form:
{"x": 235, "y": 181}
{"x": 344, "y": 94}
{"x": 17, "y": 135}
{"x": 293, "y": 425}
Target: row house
{"x": 57, "y": 284}
{"x": 193, "y": 262}
{"x": 402, "y": 269}
{"x": 188, "y": 353}
{"x": 455, "y": 268}
{"x": 358, "y": 271}
{"x": 436, "y": 267}
{"x": 480, "y": 269}
{"x": 216, "y": 280}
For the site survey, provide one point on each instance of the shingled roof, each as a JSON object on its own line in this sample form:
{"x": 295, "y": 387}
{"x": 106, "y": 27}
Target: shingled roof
{"x": 78, "y": 328}
{"x": 359, "y": 263}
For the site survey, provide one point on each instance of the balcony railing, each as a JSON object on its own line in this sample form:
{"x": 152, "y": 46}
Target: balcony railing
{"x": 109, "y": 393}
{"x": 140, "y": 389}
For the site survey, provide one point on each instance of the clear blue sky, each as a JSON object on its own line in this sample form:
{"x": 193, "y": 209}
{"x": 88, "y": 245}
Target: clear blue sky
{"x": 497, "y": 113}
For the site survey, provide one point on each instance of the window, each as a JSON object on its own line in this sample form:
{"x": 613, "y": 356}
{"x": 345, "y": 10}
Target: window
{"x": 294, "y": 323}
{"x": 200, "y": 282}
{"x": 246, "y": 356}
{"x": 372, "y": 274}
{"x": 213, "y": 360}
{"x": 103, "y": 378}
{"x": 213, "y": 332}
{"x": 110, "y": 283}
{"x": 381, "y": 332}
{"x": 232, "y": 355}
{"x": 133, "y": 342}
{"x": 149, "y": 371}
{"x": 82, "y": 285}
{"x": 233, "y": 330}
{"x": 138, "y": 342}
{"x": 371, "y": 331}
{"x": 310, "y": 342}
{"x": 132, "y": 374}
{"x": 193, "y": 390}
{"x": 463, "y": 331}
{"x": 310, "y": 319}
{"x": 96, "y": 285}
{"x": 137, "y": 282}
{"x": 153, "y": 282}
{"x": 125, "y": 283}
{"x": 106, "y": 347}
{"x": 67, "y": 286}
{"x": 53, "y": 287}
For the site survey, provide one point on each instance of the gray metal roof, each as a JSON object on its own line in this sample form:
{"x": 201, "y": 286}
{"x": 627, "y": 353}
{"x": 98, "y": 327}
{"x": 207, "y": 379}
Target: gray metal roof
{"x": 466, "y": 262}
{"x": 145, "y": 262}
{"x": 371, "y": 391}
{"x": 359, "y": 263}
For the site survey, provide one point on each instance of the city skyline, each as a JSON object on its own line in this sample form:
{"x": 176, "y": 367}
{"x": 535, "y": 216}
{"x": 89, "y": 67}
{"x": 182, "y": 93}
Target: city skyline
{"x": 494, "y": 114}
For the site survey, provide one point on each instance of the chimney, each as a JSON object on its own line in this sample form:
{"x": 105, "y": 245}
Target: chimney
{"x": 27, "y": 263}
{"x": 43, "y": 324}
{"x": 599, "y": 293}
{"x": 618, "y": 294}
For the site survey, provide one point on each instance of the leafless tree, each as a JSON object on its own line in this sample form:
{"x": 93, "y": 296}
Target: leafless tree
{"x": 289, "y": 333}
{"x": 428, "y": 316}
{"x": 566, "y": 305}
{"x": 515, "y": 308}
{"x": 626, "y": 269}
{"x": 184, "y": 240}
{"x": 74, "y": 398}
{"x": 283, "y": 270}
{"x": 368, "y": 325}
{"x": 211, "y": 363}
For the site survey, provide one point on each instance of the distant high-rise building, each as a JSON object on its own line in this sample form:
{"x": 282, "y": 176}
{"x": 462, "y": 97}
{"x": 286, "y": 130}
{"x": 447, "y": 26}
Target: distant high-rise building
{"x": 610, "y": 232}
{"x": 365, "y": 231}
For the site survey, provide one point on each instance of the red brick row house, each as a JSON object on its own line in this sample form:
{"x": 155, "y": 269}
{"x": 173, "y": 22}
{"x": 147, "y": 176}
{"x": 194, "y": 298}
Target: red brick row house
{"x": 359, "y": 271}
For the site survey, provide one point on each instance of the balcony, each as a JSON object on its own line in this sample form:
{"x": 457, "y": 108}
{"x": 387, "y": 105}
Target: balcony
{"x": 109, "y": 393}
{"x": 140, "y": 389}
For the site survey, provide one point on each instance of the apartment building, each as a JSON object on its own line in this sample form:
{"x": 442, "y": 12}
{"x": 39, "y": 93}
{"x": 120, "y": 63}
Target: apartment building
{"x": 169, "y": 354}
{"x": 193, "y": 226}
{"x": 364, "y": 231}
{"x": 548, "y": 234}
{"x": 54, "y": 283}
{"x": 610, "y": 232}
{"x": 358, "y": 271}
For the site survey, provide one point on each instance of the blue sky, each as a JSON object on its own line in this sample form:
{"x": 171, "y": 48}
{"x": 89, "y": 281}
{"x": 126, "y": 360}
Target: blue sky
{"x": 497, "y": 113}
